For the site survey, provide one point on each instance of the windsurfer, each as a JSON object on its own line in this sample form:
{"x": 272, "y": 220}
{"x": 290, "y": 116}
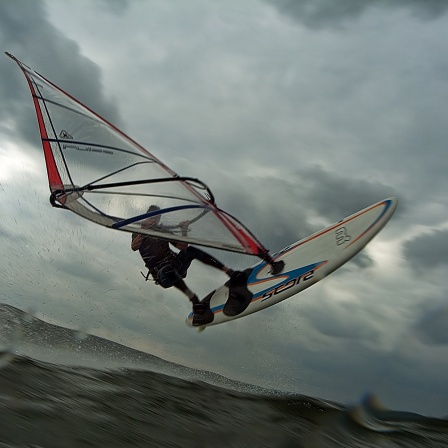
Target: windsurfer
{"x": 167, "y": 267}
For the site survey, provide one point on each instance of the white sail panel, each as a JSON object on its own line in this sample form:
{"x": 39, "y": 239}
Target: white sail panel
{"x": 98, "y": 172}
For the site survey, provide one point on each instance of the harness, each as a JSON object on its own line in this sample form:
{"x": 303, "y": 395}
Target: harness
{"x": 168, "y": 264}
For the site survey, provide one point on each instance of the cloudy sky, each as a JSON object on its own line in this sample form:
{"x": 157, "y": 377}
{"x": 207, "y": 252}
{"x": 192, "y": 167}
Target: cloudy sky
{"x": 296, "y": 114}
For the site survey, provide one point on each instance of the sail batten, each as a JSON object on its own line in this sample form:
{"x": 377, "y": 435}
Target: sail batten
{"x": 100, "y": 173}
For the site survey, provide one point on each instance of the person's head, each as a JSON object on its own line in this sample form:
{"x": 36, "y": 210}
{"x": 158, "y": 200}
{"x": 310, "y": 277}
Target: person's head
{"x": 152, "y": 208}
{"x": 152, "y": 220}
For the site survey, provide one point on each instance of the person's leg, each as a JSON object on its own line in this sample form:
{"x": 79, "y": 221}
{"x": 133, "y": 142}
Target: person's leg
{"x": 198, "y": 308}
{"x": 168, "y": 276}
{"x": 201, "y": 311}
{"x": 191, "y": 253}
{"x": 181, "y": 285}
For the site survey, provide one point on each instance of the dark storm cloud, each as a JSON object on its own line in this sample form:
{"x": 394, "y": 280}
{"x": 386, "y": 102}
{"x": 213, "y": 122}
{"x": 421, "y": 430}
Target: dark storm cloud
{"x": 336, "y": 325}
{"x": 334, "y": 196}
{"x": 280, "y": 211}
{"x": 431, "y": 327}
{"x": 432, "y": 330}
{"x": 26, "y": 33}
{"x": 428, "y": 251}
{"x": 331, "y": 13}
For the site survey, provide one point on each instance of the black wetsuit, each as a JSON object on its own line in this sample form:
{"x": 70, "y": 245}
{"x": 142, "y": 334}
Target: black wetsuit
{"x": 165, "y": 265}
{"x": 155, "y": 253}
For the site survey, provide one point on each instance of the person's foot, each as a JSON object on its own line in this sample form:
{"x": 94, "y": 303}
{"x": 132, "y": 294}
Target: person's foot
{"x": 232, "y": 273}
{"x": 202, "y": 315}
{"x": 199, "y": 308}
{"x": 237, "y": 276}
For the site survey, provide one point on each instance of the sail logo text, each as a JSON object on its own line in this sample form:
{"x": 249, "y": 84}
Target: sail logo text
{"x": 285, "y": 286}
{"x": 88, "y": 149}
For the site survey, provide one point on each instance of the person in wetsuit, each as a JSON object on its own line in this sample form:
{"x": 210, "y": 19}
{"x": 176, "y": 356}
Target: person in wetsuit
{"x": 167, "y": 267}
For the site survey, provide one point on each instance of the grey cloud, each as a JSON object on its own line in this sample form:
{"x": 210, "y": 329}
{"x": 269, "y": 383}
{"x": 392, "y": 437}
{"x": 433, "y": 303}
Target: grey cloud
{"x": 271, "y": 207}
{"x": 330, "y": 14}
{"x": 280, "y": 210}
{"x": 431, "y": 330}
{"x": 26, "y": 33}
{"x": 85, "y": 270}
{"x": 335, "y": 323}
{"x": 362, "y": 260}
{"x": 115, "y": 6}
{"x": 320, "y": 13}
{"x": 428, "y": 251}
{"x": 7, "y": 235}
{"x": 335, "y": 197}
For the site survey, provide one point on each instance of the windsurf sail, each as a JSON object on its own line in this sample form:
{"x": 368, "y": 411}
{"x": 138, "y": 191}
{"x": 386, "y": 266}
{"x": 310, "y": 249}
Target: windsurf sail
{"x": 101, "y": 174}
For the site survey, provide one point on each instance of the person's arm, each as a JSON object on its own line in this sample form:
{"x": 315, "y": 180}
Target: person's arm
{"x": 137, "y": 239}
{"x": 179, "y": 244}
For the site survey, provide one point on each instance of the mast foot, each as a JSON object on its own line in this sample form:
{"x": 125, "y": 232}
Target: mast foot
{"x": 276, "y": 267}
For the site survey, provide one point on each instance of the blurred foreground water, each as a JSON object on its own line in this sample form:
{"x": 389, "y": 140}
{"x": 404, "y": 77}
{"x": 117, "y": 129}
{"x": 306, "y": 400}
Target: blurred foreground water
{"x": 152, "y": 402}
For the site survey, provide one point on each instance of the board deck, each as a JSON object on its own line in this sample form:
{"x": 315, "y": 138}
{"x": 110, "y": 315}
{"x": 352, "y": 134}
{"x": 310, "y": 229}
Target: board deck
{"x": 306, "y": 262}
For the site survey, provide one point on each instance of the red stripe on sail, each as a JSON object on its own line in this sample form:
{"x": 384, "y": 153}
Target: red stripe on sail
{"x": 54, "y": 177}
{"x": 250, "y": 244}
